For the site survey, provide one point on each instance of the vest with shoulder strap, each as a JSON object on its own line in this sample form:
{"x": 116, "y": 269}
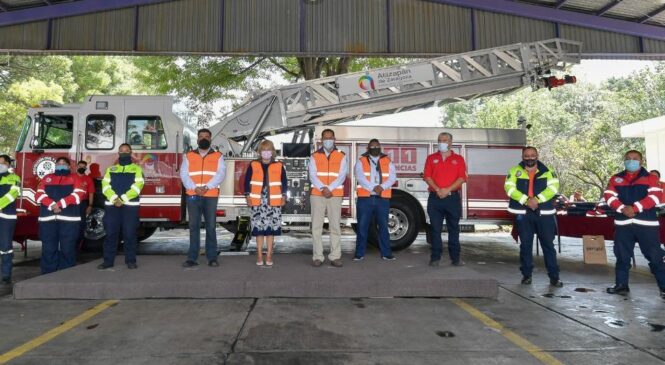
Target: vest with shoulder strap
{"x": 383, "y": 169}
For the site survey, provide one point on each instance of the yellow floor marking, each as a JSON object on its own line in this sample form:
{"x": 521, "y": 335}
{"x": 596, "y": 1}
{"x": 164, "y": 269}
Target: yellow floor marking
{"x": 513, "y": 337}
{"x": 55, "y": 332}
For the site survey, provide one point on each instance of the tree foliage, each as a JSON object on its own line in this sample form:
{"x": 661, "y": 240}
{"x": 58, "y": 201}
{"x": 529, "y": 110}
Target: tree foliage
{"x": 26, "y": 80}
{"x": 576, "y": 128}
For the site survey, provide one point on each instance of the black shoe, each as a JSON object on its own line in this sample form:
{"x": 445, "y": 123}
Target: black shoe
{"x": 619, "y": 289}
{"x": 104, "y": 266}
{"x": 213, "y": 263}
{"x": 434, "y": 262}
{"x": 662, "y": 293}
{"x": 132, "y": 266}
{"x": 458, "y": 263}
{"x": 189, "y": 263}
{"x": 358, "y": 258}
{"x": 556, "y": 283}
{"x": 7, "y": 281}
{"x": 389, "y": 258}
{"x": 526, "y": 280}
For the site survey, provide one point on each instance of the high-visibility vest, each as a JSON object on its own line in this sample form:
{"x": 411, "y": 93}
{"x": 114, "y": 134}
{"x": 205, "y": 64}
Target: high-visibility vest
{"x": 274, "y": 184}
{"x": 202, "y": 170}
{"x": 383, "y": 170}
{"x": 327, "y": 170}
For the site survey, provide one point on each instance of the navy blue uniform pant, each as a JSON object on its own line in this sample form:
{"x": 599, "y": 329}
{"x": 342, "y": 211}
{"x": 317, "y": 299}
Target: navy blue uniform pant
{"x": 544, "y": 227}
{"x": 58, "y": 244}
{"x": 120, "y": 222}
{"x": 624, "y": 245}
{"x": 6, "y": 249}
{"x": 83, "y": 207}
{"x": 373, "y": 210}
{"x": 450, "y": 209}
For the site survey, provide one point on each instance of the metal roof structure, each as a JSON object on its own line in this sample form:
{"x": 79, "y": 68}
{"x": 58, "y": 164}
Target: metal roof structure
{"x": 408, "y": 28}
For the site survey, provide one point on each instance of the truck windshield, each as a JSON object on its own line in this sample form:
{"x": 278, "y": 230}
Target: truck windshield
{"x": 24, "y": 134}
{"x": 54, "y": 132}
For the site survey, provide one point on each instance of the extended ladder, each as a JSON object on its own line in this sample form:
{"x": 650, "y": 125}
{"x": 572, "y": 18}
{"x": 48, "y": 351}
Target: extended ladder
{"x": 389, "y": 90}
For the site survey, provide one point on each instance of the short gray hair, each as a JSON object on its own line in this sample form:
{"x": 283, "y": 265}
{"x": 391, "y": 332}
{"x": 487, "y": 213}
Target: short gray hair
{"x": 450, "y": 136}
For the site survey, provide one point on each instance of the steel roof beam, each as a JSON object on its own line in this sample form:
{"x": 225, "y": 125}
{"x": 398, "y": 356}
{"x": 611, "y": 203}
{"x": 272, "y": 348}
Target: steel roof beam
{"x": 61, "y": 10}
{"x": 608, "y": 7}
{"x": 561, "y": 16}
{"x": 652, "y": 14}
{"x": 560, "y": 3}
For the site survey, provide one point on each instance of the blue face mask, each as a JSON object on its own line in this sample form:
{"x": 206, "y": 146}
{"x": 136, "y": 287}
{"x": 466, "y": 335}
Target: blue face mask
{"x": 61, "y": 170}
{"x": 328, "y": 144}
{"x": 631, "y": 165}
{"x": 443, "y": 147}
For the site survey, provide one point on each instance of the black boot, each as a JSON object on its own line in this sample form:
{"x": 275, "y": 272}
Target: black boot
{"x": 619, "y": 289}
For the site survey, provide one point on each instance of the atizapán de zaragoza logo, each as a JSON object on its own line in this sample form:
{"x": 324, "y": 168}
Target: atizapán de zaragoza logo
{"x": 366, "y": 83}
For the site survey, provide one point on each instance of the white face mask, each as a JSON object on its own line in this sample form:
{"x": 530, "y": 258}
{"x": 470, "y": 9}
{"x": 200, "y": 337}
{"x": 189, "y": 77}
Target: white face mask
{"x": 3, "y": 168}
{"x": 443, "y": 147}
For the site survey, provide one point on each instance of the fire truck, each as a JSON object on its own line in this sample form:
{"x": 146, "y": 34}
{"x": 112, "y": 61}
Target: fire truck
{"x": 93, "y": 130}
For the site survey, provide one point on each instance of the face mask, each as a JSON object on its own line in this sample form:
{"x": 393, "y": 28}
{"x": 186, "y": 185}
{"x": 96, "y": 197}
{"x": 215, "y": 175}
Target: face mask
{"x": 266, "y": 155}
{"x": 443, "y": 147}
{"x": 529, "y": 162}
{"x": 61, "y": 170}
{"x": 81, "y": 170}
{"x": 375, "y": 151}
{"x": 632, "y": 165}
{"x": 204, "y": 143}
{"x": 3, "y": 168}
{"x": 328, "y": 144}
{"x": 125, "y": 158}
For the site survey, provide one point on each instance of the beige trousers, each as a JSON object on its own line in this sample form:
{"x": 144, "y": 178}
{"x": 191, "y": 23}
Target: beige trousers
{"x": 333, "y": 206}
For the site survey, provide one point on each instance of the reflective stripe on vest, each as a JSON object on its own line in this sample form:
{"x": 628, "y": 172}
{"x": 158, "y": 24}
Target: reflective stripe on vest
{"x": 202, "y": 169}
{"x": 327, "y": 170}
{"x": 384, "y": 166}
{"x": 274, "y": 184}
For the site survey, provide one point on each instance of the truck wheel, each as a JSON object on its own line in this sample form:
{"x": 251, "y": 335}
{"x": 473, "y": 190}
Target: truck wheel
{"x": 402, "y": 225}
{"x": 144, "y": 232}
{"x": 94, "y": 232}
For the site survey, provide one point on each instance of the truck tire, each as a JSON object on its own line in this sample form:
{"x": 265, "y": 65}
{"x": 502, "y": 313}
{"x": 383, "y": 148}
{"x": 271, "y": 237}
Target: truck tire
{"x": 402, "y": 225}
{"x": 144, "y": 232}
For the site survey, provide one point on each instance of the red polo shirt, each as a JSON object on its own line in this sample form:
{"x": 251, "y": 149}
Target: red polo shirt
{"x": 88, "y": 185}
{"x": 445, "y": 172}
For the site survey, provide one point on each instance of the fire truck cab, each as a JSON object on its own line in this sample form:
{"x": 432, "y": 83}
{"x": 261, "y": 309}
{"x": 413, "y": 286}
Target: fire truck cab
{"x": 92, "y": 131}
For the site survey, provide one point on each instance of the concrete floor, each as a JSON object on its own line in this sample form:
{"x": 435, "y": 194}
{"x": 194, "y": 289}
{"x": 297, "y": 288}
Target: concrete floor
{"x": 575, "y": 324}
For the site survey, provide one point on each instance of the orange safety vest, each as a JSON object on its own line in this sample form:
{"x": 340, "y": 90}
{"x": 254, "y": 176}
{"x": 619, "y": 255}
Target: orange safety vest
{"x": 327, "y": 170}
{"x": 384, "y": 171}
{"x": 202, "y": 169}
{"x": 274, "y": 184}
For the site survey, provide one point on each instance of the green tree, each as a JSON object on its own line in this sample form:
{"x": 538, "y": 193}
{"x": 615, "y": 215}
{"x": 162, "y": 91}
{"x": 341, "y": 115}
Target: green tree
{"x": 205, "y": 83}
{"x": 25, "y": 80}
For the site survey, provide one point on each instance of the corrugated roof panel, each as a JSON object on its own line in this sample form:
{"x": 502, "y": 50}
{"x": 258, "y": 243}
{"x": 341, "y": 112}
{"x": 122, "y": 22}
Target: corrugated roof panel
{"x": 110, "y": 30}
{"x": 180, "y": 26}
{"x": 601, "y": 42}
{"x": 24, "y": 36}
{"x": 429, "y": 28}
{"x": 494, "y": 29}
{"x": 259, "y": 26}
{"x": 654, "y": 46}
{"x": 635, "y": 9}
{"x": 346, "y": 26}
{"x": 588, "y": 5}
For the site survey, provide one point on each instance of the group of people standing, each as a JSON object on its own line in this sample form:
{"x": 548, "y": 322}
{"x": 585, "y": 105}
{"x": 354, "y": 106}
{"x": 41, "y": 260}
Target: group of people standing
{"x": 65, "y": 199}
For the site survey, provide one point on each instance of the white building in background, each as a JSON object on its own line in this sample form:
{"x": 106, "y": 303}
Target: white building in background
{"x": 653, "y": 132}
